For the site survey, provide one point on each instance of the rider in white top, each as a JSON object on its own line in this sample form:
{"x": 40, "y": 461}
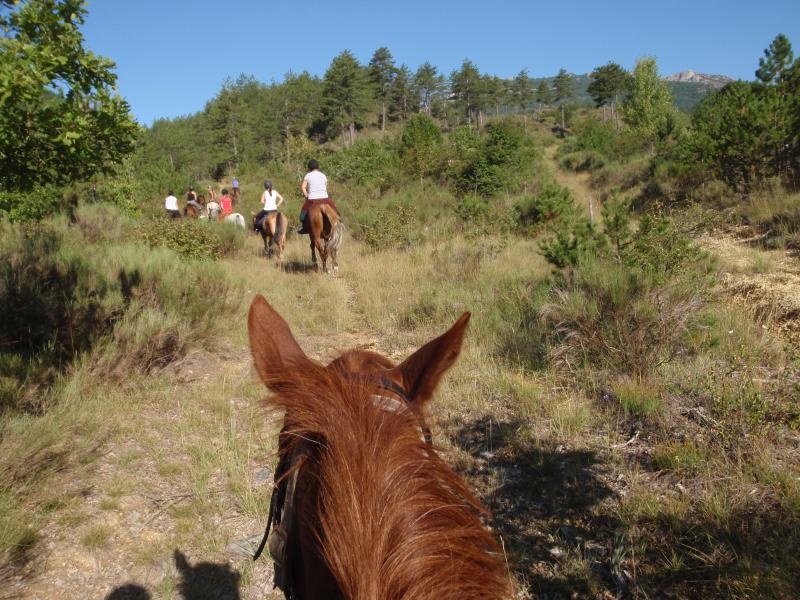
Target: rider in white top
{"x": 315, "y": 188}
{"x": 271, "y": 200}
{"x": 315, "y": 185}
{"x": 171, "y": 206}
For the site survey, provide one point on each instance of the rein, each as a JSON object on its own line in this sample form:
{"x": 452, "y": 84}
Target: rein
{"x": 380, "y": 401}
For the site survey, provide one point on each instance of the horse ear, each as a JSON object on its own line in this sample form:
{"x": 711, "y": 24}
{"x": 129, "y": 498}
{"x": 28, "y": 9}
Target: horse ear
{"x": 422, "y": 371}
{"x": 276, "y": 353}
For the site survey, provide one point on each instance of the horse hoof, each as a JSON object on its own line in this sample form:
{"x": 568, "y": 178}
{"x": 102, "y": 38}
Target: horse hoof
{"x": 335, "y": 271}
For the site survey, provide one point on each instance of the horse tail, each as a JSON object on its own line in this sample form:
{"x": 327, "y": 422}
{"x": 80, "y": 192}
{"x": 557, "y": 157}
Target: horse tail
{"x": 334, "y": 241}
{"x": 279, "y": 225}
{"x": 337, "y": 235}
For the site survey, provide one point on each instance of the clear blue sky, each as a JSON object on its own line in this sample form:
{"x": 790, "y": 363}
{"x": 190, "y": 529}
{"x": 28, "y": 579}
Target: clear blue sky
{"x": 173, "y": 55}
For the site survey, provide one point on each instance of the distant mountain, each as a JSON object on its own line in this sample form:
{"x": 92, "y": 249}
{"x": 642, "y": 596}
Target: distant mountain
{"x": 687, "y": 87}
{"x": 689, "y": 76}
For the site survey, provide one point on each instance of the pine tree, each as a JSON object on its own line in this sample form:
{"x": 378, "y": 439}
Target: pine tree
{"x": 229, "y": 120}
{"x": 401, "y": 95}
{"x": 647, "y": 107}
{"x": 607, "y": 83}
{"x": 523, "y": 93}
{"x": 466, "y": 86}
{"x": 494, "y": 92}
{"x": 544, "y": 94}
{"x": 297, "y": 104}
{"x": 564, "y": 88}
{"x": 382, "y": 73}
{"x": 776, "y": 65}
{"x": 345, "y": 96}
{"x": 427, "y": 83}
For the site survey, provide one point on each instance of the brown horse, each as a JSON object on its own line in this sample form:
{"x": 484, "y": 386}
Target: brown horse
{"x": 326, "y": 232}
{"x": 377, "y": 512}
{"x": 273, "y": 233}
{"x": 192, "y": 211}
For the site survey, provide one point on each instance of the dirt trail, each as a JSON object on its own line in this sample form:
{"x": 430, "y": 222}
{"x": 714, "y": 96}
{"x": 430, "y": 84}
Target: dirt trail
{"x": 176, "y": 503}
{"x": 578, "y": 183}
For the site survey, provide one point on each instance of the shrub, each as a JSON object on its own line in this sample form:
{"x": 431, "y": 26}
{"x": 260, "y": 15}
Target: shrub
{"x": 419, "y": 145}
{"x": 165, "y": 305}
{"x": 570, "y": 242}
{"x": 34, "y": 205}
{"x": 394, "y": 226}
{"x": 583, "y": 160}
{"x": 553, "y": 203}
{"x": 591, "y": 135}
{"x": 499, "y": 163}
{"x": 474, "y": 209}
{"x": 103, "y": 223}
{"x": 192, "y": 239}
{"x": 55, "y": 307}
{"x": 608, "y": 315}
{"x": 367, "y": 162}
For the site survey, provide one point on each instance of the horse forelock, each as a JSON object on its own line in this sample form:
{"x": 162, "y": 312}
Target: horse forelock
{"x": 393, "y": 520}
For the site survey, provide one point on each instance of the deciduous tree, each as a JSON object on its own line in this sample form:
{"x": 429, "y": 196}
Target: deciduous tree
{"x": 648, "y": 105}
{"x": 61, "y": 119}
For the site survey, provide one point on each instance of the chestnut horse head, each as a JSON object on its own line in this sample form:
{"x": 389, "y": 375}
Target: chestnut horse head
{"x": 378, "y": 513}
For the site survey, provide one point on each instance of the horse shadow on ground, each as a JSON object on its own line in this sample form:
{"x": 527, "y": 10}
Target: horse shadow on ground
{"x": 543, "y": 501}
{"x": 298, "y": 266}
{"x": 201, "y": 581}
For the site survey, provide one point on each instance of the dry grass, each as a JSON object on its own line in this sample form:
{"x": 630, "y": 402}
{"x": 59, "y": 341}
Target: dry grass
{"x": 176, "y": 459}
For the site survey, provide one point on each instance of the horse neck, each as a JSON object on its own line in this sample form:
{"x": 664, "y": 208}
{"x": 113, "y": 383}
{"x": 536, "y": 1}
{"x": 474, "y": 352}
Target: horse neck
{"x": 394, "y": 520}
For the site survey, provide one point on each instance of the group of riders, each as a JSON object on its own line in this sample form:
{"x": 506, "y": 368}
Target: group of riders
{"x": 314, "y": 188}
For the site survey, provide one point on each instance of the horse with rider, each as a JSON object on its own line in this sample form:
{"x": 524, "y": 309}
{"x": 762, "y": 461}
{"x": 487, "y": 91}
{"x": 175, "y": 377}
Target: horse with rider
{"x": 319, "y": 216}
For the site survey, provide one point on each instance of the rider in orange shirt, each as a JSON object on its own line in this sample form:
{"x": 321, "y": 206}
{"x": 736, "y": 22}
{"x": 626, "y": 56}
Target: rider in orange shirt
{"x": 226, "y": 203}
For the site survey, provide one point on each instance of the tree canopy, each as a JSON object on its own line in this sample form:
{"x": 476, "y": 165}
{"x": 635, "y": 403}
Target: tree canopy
{"x": 607, "y": 83}
{"x": 345, "y": 96}
{"x": 61, "y": 119}
{"x": 648, "y": 105}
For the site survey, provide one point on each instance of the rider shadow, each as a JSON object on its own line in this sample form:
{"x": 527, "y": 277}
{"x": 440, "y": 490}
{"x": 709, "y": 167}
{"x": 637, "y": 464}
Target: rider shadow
{"x": 129, "y": 591}
{"x": 201, "y": 581}
{"x": 542, "y": 500}
{"x": 206, "y": 580}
